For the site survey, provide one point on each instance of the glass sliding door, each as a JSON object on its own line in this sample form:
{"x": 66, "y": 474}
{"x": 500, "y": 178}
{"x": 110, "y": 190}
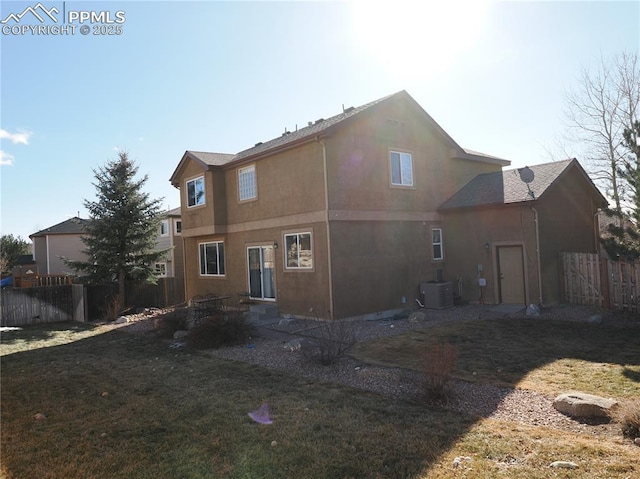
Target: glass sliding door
{"x": 261, "y": 265}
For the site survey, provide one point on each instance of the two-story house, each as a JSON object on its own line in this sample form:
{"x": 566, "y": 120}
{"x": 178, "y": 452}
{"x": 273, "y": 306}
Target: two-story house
{"x": 342, "y": 217}
{"x": 170, "y": 238}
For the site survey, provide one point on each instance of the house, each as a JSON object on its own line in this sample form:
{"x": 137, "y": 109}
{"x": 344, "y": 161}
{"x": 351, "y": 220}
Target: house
{"x": 51, "y": 244}
{"x": 349, "y": 215}
{"x": 63, "y": 240}
{"x": 506, "y": 230}
{"x": 170, "y": 237}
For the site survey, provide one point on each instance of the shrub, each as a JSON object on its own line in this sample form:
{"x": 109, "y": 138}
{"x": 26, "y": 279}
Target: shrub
{"x": 628, "y": 415}
{"x": 222, "y": 328}
{"x": 329, "y": 341}
{"x": 171, "y": 322}
{"x": 437, "y": 361}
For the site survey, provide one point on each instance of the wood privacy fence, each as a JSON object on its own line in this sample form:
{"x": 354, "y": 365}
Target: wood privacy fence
{"x": 49, "y": 304}
{"x": 592, "y": 280}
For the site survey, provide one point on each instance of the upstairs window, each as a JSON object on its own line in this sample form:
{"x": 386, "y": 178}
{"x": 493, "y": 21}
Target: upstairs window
{"x": 247, "y": 183}
{"x": 212, "y": 259}
{"x": 164, "y": 228}
{"x": 298, "y": 252}
{"x": 401, "y": 165}
{"x": 436, "y": 241}
{"x": 195, "y": 192}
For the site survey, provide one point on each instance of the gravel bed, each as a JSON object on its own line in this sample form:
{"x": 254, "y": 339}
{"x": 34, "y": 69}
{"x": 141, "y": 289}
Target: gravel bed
{"x": 487, "y": 401}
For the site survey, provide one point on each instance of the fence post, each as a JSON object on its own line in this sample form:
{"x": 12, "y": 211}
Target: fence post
{"x": 79, "y": 296}
{"x": 604, "y": 283}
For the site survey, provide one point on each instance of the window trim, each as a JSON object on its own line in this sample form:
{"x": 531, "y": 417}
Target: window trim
{"x": 204, "y": 191}
{"x": 212, "y": 275}
{"x": 175, "y": 227}
{"x": 255, "y": 183}
{"x": 402, "y": 184}
{"x": 297, "y": 233}
{"x": 440, "y": 244}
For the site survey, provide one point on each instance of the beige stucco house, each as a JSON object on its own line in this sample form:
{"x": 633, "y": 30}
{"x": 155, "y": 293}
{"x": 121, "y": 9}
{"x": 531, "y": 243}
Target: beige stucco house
{"x": 351, "y": 214}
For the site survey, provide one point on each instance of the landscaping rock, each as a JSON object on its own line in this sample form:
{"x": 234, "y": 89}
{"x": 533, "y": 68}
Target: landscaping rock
{"x": 121, "y": 320}
{"x": 180, "y": 334}
{"x": 578, "y": 404}
{"x": 636, "y": 441}
{"x": 564, "y": 464}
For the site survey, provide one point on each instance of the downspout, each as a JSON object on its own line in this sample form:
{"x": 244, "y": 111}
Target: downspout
{"x": 48, "y": 255}
{"x": 535, "y": 222}
{"x": 326, "y": 208}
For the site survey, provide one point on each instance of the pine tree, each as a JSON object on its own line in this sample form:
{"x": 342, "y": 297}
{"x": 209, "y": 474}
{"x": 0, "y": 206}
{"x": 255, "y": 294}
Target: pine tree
{"x": 122, "y": 228}
{"x": 623, "y": 241}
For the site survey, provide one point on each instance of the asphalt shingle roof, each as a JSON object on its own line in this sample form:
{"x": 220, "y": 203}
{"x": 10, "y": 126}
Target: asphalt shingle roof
{"x": 212, "y": 159}
{"x": 71, "y": 226}
{"x": 504, "y": 187}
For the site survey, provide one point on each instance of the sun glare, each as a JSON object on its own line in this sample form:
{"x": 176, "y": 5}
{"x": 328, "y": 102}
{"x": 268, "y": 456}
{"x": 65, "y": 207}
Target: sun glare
{"x": 417, "y": 38}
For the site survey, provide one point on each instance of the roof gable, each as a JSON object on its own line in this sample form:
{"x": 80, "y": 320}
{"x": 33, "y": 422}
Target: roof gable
{"x": 205, "y": 159}
{"x": 71, "y": 226}
{"x": 506, "y": 187}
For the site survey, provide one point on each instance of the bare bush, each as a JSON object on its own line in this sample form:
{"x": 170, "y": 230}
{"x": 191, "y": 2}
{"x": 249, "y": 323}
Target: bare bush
{"x": 436, "y": 362}
{"x": 171, "y": 322}
{"x": 222, "y": 328}
{"x": 329, "y": 341}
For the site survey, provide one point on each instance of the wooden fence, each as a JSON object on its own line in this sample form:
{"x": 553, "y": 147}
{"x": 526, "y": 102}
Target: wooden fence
{"x": 589, "y": 279}
{"x": 49, "y": 304}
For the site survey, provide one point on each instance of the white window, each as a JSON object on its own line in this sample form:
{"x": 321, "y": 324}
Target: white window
{"x": 212, "y": 258}
{"x": 195, "y": 192}
{"x": 161, "y": 269}
{"x": 436, "y": 241}
{"x": 298, "y": 251}
{"x": 247, "y": 183}
{"x": 178, "y": 227}
{"x": 164, "y": 228}
{"x": 401, "y": 166}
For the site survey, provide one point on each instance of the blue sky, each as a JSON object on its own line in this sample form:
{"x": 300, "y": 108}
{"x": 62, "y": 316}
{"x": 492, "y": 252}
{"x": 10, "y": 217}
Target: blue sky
{"x": 222, "y": 76}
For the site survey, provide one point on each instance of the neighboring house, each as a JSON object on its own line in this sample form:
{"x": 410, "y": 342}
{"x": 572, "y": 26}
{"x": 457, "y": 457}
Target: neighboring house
{"x": 170, "y": 237}
{"x": 55, "y": 242}
{"x": 507, "y": 229}
{"x": 64, "y": 240}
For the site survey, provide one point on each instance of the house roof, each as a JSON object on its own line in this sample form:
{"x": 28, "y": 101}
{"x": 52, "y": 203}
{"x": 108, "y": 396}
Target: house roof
{"x": 509, "y": 186}
{"x": 71, "y": 226}
{"x": 173, "y": 212}
{"x": 319, "y": 128}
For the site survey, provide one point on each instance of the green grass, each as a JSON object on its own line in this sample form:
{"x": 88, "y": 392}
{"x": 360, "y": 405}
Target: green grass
{"x": 542, "y": 355}
{"x": 125, "y": 406}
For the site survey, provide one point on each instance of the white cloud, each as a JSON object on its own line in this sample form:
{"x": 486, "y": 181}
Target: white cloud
{"x": 19, "y": 137}
{"x": 6, "y": 159}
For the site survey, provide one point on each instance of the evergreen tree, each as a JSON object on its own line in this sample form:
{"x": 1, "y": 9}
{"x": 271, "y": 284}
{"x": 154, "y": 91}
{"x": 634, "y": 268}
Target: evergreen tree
{"x": 623, "y": 240}
{"x": 122, "y": 228}
{"x": 10, "y": 248}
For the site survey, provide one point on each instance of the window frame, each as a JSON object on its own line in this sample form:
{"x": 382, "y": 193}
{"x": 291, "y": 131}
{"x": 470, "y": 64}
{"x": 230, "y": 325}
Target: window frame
{"x": 164, "y": 228}
{"x": 253, "y": 188}
{"x": 401, "y": 170}
{"x": 163, "y": 264}
{"x": 177, "y": 227}
{"x": 435, "y": 244}
{"x": 297, "y": 234}
{"x": 203, "y": 266}
{"x": 204, "y": 192}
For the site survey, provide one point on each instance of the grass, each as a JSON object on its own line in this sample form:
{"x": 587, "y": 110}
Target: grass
{"x": 542, "y": 355}
{"x": 125, "y": 406}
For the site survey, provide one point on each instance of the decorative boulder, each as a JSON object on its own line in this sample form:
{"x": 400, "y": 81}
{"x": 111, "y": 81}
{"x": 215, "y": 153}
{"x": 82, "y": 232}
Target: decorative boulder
{"x": 578, "y": 404}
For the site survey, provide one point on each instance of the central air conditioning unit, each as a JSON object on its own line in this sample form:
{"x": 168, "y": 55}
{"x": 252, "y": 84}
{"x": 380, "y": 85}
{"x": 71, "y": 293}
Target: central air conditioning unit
{"x": 437, "y": 295}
